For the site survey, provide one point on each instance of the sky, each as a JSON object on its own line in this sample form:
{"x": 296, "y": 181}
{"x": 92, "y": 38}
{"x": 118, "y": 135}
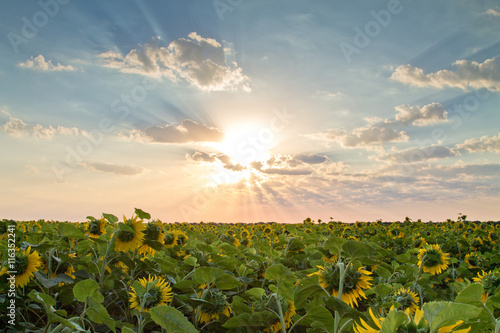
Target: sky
{"x": 250, "y": 111}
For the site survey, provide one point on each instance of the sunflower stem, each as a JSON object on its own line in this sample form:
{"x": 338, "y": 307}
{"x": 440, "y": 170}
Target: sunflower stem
{"x": 339, "y": 296}
{"x": 105, "y": 258}
{"x": 280, "y": 310}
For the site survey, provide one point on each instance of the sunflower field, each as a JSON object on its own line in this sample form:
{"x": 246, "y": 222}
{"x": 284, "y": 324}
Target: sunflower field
{"x": 142, "y": 275}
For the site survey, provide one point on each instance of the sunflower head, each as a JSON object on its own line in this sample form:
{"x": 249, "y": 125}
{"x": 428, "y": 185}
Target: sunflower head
{"x": 355, "y": 281}
{"x": 473, "y": 260}
{"x": 96, "y": 227}
{"x": 408, "y": 300}
{"x": 26, "y": 264}
{"x": 215, "y": 305}
{"x": 152, "y": 232}
{"x": 490, "y": 282}
{"x": 130, "y": 236}
{"x": 288, "y": 308}
{"x": 150, "y": 292}
{"x": 432, "y": 259}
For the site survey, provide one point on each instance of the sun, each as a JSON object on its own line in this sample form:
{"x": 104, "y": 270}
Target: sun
{"x": 247, "y": 143}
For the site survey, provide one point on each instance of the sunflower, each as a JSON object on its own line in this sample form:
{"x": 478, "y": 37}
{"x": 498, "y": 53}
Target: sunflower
{"x": 490, "y": 282}
{"x": 128, "y": 240}
{"x": 493, "y": 237}
{"x": 288, "y": 308}
{"x": 434, "y": 260}
{"x": 96, "y": 228}
{"x": 473, "y": 260}
{"x": 215, "y": 304}
{"x": 355, "y": 281}
{"x": 59, "y": 267}
{"x": 365, "y": 328}
{"x": 407, "y": 299}
{"x": 152, "y": 233}
{"x": 155, "y": 291}
{"x": 170, "y": 239}
{"x": 26, "y": 264}
{"x": 182, "y": 238}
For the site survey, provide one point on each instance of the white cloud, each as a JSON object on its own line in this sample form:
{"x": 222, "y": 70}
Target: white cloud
{"x": 311, "y": 158}
{"x": 202, "y": 62}
{"x": 18, "y": 128}
{"x": 468, "y": 74}
{"x": 119, "y": 169}
{"x": 369, "y": 136}
{"x": 15, "y": 127}
{"x": 39, "y": 63}
{"x": 485, "y": 143}
{"x": 493, "y": 12}
{"x": 419, "y": 116}
{"x": 187, "y": 131}
{"x": 418, "y": 154}
{"x": 324, "y": 94}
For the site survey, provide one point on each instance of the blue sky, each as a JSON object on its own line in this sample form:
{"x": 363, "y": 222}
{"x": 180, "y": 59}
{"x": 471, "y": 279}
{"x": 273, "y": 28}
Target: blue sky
{"x": 250, "y": 110}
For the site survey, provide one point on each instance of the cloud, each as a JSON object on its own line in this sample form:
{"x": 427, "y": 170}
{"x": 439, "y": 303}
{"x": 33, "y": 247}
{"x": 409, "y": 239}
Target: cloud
{"x": 493, "y": 12}
{"x": 39, "y": 63}
{"x": 369, "y": 136}
{"x": 468, "y": 74}
{"x": 287, "y": 172}
{"x": 18, "y": 128}
{"x": 311, "y": 158}
{"x": 485, "y": 143}
{"x": 119, "y": 169}
{"x": 417, "y": 154}
{"x": 323, "y": 94}
{"x": 202, "y": 62}
{"x": 15, "y": 127}
{"x": 419, "y": 116}
{"x": 187, "y": 131}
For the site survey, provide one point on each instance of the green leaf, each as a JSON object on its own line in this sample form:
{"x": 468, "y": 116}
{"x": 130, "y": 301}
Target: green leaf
{"x": 87, "y": 288}
{"x": 439, "y": 314}
{"x": 382, "y": 289}
{"x": 49, "y": 283}
{"x": 171, "y": 320}
{"x": 110, "y": 217}
{"x": 279, "y": 273}
{"x": 142, "y": 214}
{"x": 66, "y": 296}
{"x": 471, "y": 295}
{"x": 71, "y": 231}
{"x": 98, "y": 314}
{"x": 191, "y": 261}
{"x": 308, "y": 287}
{"x": 393, "y": 321}
{"x": 318, "y": 313}
{"x": 46, "y": 299}
{"x": 207, "y": 275}
{"x": 226, "y": 282}
{"x": 334, "y": 244}
{"x": 256, "y": 292}
{"x": 354, "y": 249}
{"x": 383, "y": 272}
{"x": 344, "y": 310}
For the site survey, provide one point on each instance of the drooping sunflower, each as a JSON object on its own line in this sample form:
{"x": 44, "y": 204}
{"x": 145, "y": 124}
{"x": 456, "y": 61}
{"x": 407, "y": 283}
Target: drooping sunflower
{"x": 58, "y": 267}
{"x": 26, "y": 264}
{"x": 473, "y": 260}
{"x": 156, "y": 291}
{"x": 434, "y": 260}
{"x": 355, "y": 281}
{"x": 493, "y": 236}
{"x": 182, "y": 238}
{"x": 96, "y": 227}
{"x": 288, "y": 308}
{"x": 152, "y": 232}
{"x": 170, "y": 239}
{"x": 407, "y": 299}
{"x": 490, "y": 282}
{"x": 128, "y": 240}
{"x": 216, "y": 304}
